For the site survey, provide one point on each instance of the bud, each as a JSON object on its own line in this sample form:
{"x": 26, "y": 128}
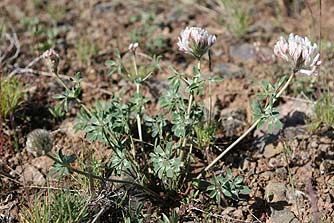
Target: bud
{"x": 195, "y": 41}
{"x": 300, "y": 52}
{"x": 51, "y": 58}
{"x": 133, "y": 47}
{"x": 39, "y": 142}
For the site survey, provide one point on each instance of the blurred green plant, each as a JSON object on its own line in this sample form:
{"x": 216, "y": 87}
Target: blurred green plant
{"x": 56, "y": 11}
{"x": 57, "y": 206}
{"x": 324, "y": 111}
{"x": 43, "y": 35}
{"x": 85, "y": 49}
{"x": 11, "y": 96}
{"x": 236, "y": 16}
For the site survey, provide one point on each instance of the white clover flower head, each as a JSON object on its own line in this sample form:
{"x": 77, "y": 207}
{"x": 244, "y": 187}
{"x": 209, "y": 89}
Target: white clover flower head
{"x": 300, "y": 51}
{"x": 39, "y": 142}
{"x": 133, "y": 47}
{"x": 195, "y": 41}
{"x": 52, "y": 59}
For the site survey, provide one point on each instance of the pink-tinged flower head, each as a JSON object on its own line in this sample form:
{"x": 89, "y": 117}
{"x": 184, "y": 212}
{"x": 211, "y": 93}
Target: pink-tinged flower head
{"x": 133, "y": 47}
{"x": 299, "y": 51}
{"x": 195, "y": 41}
{"x": 52, "y": 59}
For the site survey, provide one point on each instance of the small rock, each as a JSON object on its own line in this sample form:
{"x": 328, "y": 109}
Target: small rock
{"x": 227, "y": 70}
{"x": 242, "y": 53}
{"x": 271, "y": 150}
{"x": 276, "y": 195}
{"x": 283, "y": 216}
{"x": 295, "y": 112}
{"x": 42, "y": 163}
{"x": 31, "y": 175}
{"x": 232, "y": 120}
{"x": 266, "y": 175}
{"x": 228, "y": 210}
{"x": 275, "y": 192}
{"x": 238, "y": 214}
{"x": 313, "y": 144}
{"x": 299, "y": 132}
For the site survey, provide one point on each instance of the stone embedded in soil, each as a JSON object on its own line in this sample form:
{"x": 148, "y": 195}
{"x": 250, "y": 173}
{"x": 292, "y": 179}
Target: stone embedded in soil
{"x": 31, "y": 175}
{"x": 43, "y": 163}
{"x": 232, "y": 120}
{"x": 271, "y": 150}
{"x": 293, "y": 114}
{"x": 228, "y": 70}
{"x": 242, "y": 53}
{"x": 283, "y": 216}
{"x": 276, "y": 195}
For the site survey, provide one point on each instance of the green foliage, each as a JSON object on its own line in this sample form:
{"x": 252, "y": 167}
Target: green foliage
{"x": 11, "y": 96}
{"x": 172, "y": 218}
{"x": 124, "y": 67}
{"x": 69, "y": 207}
{"x": 156, "y": 125}
{"x": 56, "y": 11}
{"x": 269, "y": 114}
{"x": 227, "y": 186}
{"x": 236, "y": 15}
{"x": 62, "y": 166}
{"x": 85, "y": 49}
{"x": 324, "y": 111}
{"x": 109, "y": 119}
{"x": 39, "y": 212}
{"x": 44, "y": 35}
{"x": 69, "y": 94}
{"x": 58, "y": 206}
{"x": 116, "y": 65}
{"x": 119, "y": 162}
{"x": 164, "y": 162}
{"x": 204, "y": 134}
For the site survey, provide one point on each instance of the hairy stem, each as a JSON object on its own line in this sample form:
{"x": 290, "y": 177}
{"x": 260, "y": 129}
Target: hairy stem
{"x": 248, "y": 130}
{"x": 138, "y": 92}
{"x": 190, "y": 101}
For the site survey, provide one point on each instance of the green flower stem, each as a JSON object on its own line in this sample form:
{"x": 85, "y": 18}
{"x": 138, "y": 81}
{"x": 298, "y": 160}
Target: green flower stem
{"x": 247, "y": 132}
{"x": 90, "y": 175}
{"x": 190, "y": 101}
{"x": 137, "y": 91}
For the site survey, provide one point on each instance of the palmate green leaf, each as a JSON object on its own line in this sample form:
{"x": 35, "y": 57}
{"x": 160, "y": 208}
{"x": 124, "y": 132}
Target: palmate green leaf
{"x": 228, "y": 185}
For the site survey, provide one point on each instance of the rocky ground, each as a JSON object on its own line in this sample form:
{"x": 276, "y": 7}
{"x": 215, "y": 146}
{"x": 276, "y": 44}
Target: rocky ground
{"x": 289, "y": 171}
